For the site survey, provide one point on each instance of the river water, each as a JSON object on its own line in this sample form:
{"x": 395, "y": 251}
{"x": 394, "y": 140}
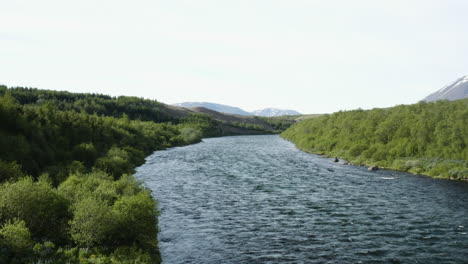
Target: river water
{"x": 258, "y": 199}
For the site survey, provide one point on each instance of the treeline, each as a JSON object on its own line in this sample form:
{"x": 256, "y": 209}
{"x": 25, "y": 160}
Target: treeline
{"x": 103, "y": 105}
{"x": 66, "y": 190}
{"x": 279, "y": 123}
{"x": 424, "y": 138}
{"x": 141, "y": 109}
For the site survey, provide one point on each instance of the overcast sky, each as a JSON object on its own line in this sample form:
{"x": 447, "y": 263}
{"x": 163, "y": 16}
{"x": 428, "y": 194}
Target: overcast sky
{"x": 314, "y": 56}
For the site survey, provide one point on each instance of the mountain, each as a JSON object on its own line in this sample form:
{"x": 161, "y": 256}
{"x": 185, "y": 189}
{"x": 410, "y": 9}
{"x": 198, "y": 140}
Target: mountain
{"x": 216, "y": 107}
{"x": 269, "y": 112}
{"x": 454, "y": 91}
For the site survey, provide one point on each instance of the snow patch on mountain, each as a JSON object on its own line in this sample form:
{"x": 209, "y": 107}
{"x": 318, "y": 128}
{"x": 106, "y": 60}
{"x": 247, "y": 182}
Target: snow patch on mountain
{"x": 453, "y": 91}
{"x": 216, "y": 107}
{"x": 269, "y": 112}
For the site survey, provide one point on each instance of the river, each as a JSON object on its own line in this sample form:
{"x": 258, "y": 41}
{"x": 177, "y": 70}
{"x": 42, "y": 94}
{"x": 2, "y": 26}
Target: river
{"x": 258, "y": 199}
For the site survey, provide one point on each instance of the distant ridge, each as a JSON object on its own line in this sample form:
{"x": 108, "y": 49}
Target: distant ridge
{"x": 267, "y": 112}
{"x": 454, "y": 91}
{"x": 216, "y": 107}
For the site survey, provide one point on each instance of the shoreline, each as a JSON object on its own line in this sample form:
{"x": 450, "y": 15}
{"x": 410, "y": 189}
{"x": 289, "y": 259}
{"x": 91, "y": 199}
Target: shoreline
{"x": 376, "y": 164}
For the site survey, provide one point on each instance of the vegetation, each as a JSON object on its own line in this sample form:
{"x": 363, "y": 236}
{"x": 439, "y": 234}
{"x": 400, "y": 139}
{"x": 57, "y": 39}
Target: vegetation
{"x": 425, "y": 138}
{"x": 101, "y": 105}
{"x": 279, "y": 123}
{"x": 66, "y": 190}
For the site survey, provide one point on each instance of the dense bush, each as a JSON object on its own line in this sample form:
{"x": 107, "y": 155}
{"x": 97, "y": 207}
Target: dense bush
{"x": 93, "y": 223}
{"x": 15, "y": 240}
{"x": 136, "y": 218}
{"x": 425, "y": 138}
{"x": 38, "y": 204}
{"x": 10, "y": 171}
{"x": 88, "y": 211}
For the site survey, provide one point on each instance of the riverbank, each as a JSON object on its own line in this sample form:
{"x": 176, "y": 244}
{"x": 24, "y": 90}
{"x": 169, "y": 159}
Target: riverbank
{"x": 411, "y": 165}
{"x": 426, "y": 138}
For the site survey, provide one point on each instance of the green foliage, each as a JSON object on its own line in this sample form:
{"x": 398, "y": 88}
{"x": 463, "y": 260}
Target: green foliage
{"x": 86, "y": 145}
{"x": 133, "y": 255}
{"x": 279, "y": 123}
{"x": 116, "y": 162}
{"x": 36, "y": 203}
{"x": 93, "y": 223}
{"x": 97, "y": 185}
{"x": 111, "y": 215}
{"x": 249, "y": 126}
{"x": 15, "y": 238}
{"x": 136, "y": 217}
{"x": 190, "y": 135}
{"x": 10, "y": 171}
{"x": 46, "y": 131}
{"x": 127, "y": 185}
{"x": 135, "y": 108}
{"x": 425, "y": 138}
{"x": 86, "y": 153}
{"x": 196, "y": 126}
{"x": 44, "y": 250}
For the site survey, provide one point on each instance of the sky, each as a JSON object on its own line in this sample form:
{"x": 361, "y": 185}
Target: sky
{"x": 313, "y": 56}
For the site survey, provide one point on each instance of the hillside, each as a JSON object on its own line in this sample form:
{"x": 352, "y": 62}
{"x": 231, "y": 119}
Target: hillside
{"x": 303, "y": 117}
{"x": 453, "y": 91}
{"x": 136, "y": 108}
{"x": 216, "y": 107}
{"x": 425, "y": 138}
{"x": 267, "y": 112}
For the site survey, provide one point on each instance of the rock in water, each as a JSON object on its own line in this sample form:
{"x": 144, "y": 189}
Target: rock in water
{"x": 372, "y": 168}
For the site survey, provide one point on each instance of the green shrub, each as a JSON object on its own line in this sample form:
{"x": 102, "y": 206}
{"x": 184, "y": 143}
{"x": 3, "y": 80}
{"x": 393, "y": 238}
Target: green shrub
{"x": 459, "y": 173}
{"x": 439, "y": 170}
{"x": 116, "y": 163}
{"x": 93, "y": 223}
{"x": 10, "y": 171}
{"x": 44, "y": 211}
{"x": 357, "y": 149}
{"x": 380, "y": 155}
{"x": 127, "y": 185}
{"x": 191, "y": 135}
{"x": 16, "y": 238}
{"x": 136, "y": 216}
{"x": 86, "y": 153}
{"x": 97, "y": 185}
{"x": 44, "y": 250}
{"x": 134, "y": 255}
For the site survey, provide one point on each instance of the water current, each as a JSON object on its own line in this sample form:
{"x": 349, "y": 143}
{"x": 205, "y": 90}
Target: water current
{"x": 258, "y": 199}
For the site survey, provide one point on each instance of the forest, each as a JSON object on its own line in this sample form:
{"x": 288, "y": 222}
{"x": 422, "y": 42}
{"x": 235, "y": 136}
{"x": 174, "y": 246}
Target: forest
{"x": 67, "y": 194}
{"x": 425, "y": 138}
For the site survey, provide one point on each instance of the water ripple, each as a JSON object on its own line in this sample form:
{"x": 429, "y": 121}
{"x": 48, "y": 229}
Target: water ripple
{"x": 257, "y": 199}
